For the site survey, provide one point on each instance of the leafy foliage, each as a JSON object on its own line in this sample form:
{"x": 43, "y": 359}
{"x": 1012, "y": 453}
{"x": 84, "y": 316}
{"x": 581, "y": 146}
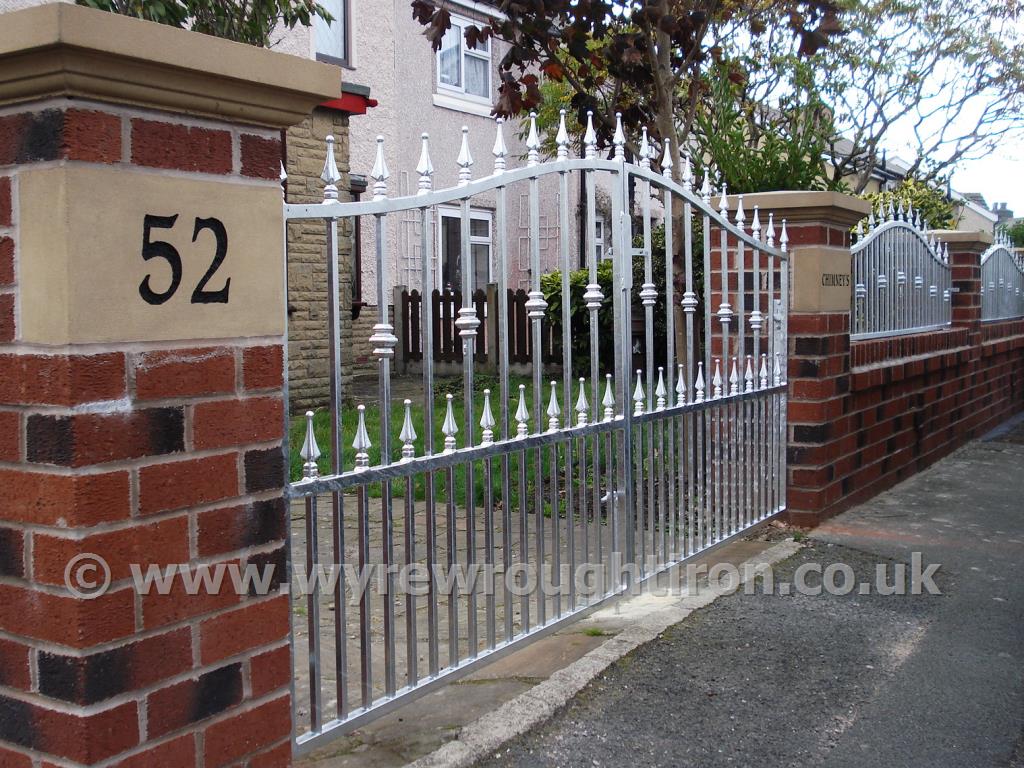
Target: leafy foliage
{"x": 248, "y": 22}
{"x": 758, "y": 148}
{"x": 929, "y": 200}
{"x": 644, "y": 57}
{"x": 1015, "y": 232}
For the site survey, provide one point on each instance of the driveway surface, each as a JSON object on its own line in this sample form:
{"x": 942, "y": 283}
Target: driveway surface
{"x": 837, "y": 680}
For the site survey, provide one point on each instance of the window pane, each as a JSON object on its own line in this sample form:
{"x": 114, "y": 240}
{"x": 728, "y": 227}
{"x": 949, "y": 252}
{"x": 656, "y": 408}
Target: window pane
{"x": 330, "y": 38}
{"x": 451, "y": 56}
{"x": 451, "y": 274}
{"x": 481, "y": 261}
{"x": 478, "y": 76}
{"x": 479, "y": 228}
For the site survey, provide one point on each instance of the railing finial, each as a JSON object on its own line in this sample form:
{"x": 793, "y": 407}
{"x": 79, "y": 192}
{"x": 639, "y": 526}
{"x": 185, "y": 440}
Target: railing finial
{"x": 522, "y": 414}
{"x": 734, "y": 378}
{"x": 619, "y": 139}
{"x": 532, "y": 142}
{"x": 361, "y": 442}
{"x": 465, "y": 159}
{"x": 425, "y": 168}
{"x": 723, "y": 202}
{"x": 698, "y": 384}
{"x": 755, "y": 226}
{"x": 330, "y": 173}
{"x": 660, "y": 393}
{"x": 590, "y": 137}
{"x": 748, "y": 375}
{"x": 769, "y": 232}
{"x": 283, "y": 178}
{"x": 487, "y": 421}
{"x": 638, "y": 394}
{"x": 554, "y": 411}
{"x": 680, "y": 385}
{"x": 582, "y": 405}
{"x": 645, "y": 149}
{"x": 741, "y": 217}
{"x": 667, "y": 163}
{"x": 310, "y": 450}
{"x": 562, "y": 137}
{"x": 763, "y": 373}
{"x": 379, "y": 173}
{"x": 449, "y": 428}
{"x": 687, "y": 173}
{"x": 705, "y": 187}
{"x": 500, "y": 151}
{"x": 408, "y": 433}
{"x": 716, "y": 380}
{"x": 608, "y": 401}
{"x": 784, "y": 238}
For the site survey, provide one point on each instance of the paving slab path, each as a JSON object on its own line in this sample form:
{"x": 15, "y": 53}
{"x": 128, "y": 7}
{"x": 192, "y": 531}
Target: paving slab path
{"x": 836, "y": 680}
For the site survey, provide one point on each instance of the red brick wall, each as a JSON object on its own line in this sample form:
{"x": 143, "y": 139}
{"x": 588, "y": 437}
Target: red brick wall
{"x": 146, "y": 454}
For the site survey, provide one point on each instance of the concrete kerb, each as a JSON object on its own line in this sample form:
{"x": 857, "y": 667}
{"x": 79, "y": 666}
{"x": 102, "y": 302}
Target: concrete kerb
{"x": 533, "y": 707}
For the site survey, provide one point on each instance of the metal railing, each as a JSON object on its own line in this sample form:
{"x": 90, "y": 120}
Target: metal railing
{"x": 1002, "y": 282}
{"x": 901, "y": 277}
{"x": 622, "y": 473}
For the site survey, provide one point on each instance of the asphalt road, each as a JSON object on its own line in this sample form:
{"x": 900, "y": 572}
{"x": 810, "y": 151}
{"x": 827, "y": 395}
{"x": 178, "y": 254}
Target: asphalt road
{"x": 829, "y": 680}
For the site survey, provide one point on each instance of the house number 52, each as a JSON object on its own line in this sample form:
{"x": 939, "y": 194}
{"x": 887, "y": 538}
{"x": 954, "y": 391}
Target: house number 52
{"x": 159, "y": 249}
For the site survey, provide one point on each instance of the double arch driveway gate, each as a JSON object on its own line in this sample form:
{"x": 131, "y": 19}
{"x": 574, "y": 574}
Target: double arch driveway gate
{"x": 497, "y": 516}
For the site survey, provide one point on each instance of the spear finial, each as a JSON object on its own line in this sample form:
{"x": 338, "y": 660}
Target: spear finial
{"x": 562, "y": 137}
{"x": 769, "y": 232}
{"x": 590, "y": 137}
{"x": 778, "y": 369}
{"x": 645, "y": 149}
{"x": 660, "y": 393}
{"x": 487, "y": 421}
{"x": 687, "y": 173}
{"x": 783, "y": 238}
{"x": 500, "y": 151}
{"x": 741, "y": 217}
{"x": 608, "y": 401}
{"x": 734, "y": 379}
{"x": 362, "y": 441}
{"x": 408, "y": 433}
{"x": 330, "y": 173}
{"x": 755, "y": 227}
{"x": 698, "y": 385}
{"x": 680, "y": 385}
{"x": 379, "y": 173}
{"x": 763, "y": 373}
{"x": 716, "y": 381}
{"x": 638, "y": 394}
{"x": 532, "y": 142}
{"x": 522, "y": 414}
{"x": 748, "y": 375}
{"x": 705, "y": 187}
{"x": 667, "y": 162}
{"x": 553, "y": 410}
{"x": 582, "y": 406}
{"x": 723, "y": 203}
{"x": 619, "y": 139}
{"x": 424, "y": 167}
{"x": 310, "y": 450}
{"x": 465, "y": 159}
{"x": 449, "y": 428}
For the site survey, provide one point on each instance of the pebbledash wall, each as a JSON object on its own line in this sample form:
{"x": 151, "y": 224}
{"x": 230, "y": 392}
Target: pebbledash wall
{"x": 141, "y": 417}
{"x": 865, "y": 415}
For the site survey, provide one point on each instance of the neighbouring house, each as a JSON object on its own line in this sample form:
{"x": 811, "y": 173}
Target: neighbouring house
{"x": 387, "y": 62}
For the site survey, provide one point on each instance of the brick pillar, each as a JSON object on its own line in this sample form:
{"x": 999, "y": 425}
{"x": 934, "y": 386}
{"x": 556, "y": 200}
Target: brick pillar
{"x": 818, "y": 225}
{"x": 141, "y": 404}
{"x": 965, "y": 249}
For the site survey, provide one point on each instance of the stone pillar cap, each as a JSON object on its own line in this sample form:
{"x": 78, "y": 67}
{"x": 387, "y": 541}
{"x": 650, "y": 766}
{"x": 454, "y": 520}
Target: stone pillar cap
{"x": 964, "y": 241}
{"x": 69, "y": 50}
{"x": 819, "y": 206}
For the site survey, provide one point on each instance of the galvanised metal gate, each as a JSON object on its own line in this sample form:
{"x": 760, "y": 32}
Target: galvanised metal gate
{"x": 498, "y": 516}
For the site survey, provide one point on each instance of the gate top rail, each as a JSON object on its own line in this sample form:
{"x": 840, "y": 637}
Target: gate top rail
{"x": 902, "y": 282}
{"x": 332, "y": 208}
{"x": 1002, "y": 281}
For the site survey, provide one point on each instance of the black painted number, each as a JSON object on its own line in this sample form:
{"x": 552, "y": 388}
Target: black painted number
{"x": 159, "y": 249}
{"x": 200, "y": 295}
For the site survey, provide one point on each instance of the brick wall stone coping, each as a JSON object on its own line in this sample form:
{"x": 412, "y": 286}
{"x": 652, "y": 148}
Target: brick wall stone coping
{"x": 820, "y": 206}
{"x": 964, "y": 242}
{"x": 69, "y": 50}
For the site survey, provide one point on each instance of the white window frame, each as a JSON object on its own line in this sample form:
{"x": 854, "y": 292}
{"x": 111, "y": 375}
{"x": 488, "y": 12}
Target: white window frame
{"x": 480, "y": 214}
{"x": 451, "y": 96}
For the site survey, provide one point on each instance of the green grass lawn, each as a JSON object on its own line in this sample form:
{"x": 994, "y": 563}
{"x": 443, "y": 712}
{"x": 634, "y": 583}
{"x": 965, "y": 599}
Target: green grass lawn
{"x": 349, "y": 421}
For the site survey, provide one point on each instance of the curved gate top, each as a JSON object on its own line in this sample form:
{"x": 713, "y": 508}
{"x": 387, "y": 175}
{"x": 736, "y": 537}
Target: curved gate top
{"x": 446, "y": 528}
